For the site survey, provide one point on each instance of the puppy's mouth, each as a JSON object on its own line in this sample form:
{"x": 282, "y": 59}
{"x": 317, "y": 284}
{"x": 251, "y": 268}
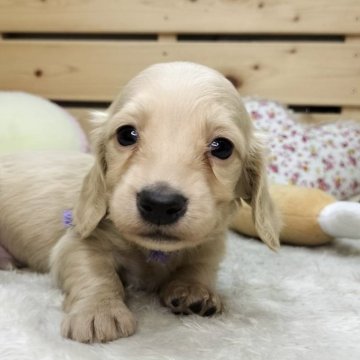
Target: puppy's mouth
{"x": 158, "y": 235}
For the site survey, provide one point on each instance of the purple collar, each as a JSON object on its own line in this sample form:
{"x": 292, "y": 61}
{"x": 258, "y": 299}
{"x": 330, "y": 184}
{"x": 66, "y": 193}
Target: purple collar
{"x": 158, "y": 256}
{"x": 153, "y": 256}
{"x": 67, "y": 218}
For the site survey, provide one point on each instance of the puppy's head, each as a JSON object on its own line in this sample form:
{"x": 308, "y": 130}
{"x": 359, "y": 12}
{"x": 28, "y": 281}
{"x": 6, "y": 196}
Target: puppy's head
{"x": 174, "y": 153}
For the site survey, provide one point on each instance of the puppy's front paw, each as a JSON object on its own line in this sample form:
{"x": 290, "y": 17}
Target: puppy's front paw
{"x": 186, "y": 299}
{"x": 104, "y": 322}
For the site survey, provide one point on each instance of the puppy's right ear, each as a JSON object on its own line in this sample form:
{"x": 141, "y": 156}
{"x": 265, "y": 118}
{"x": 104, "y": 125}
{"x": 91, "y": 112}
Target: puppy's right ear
{"x": 91, "y": 206}
{"x": 253, "y": 189}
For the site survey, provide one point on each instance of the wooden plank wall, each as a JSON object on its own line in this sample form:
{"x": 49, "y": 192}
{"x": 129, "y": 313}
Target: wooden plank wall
{"x": 81, "y": 52}
{"x": 181, "y": 16}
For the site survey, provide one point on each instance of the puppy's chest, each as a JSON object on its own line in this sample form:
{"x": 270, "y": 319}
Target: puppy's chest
{"x": 145, "y": 271}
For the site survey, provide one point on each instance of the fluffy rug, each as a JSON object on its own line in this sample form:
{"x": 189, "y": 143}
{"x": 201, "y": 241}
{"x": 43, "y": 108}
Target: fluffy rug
{"x": 299, "y": 303}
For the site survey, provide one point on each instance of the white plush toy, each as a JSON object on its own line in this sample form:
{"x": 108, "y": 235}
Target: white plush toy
{"x": 29, "y": 122}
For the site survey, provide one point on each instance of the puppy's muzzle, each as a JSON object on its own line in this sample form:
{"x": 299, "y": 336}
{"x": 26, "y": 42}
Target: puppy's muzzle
{"x": 161, "y": 205}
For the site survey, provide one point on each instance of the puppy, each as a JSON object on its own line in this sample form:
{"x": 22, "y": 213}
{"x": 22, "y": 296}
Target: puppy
{"x": 174, "y": 155}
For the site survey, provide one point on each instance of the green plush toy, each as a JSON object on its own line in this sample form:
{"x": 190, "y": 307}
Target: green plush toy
{"x": 29, "y": 122}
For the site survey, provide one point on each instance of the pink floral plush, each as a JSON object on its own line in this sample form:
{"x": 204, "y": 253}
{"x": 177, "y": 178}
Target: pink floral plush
{"x": 325, "y": 156}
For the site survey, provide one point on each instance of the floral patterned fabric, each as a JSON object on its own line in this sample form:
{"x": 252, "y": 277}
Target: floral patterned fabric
{"x": 324, "y": 156}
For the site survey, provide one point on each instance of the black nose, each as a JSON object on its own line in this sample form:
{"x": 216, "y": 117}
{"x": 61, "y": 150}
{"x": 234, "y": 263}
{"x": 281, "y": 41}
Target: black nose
{"x": 161, "y": 205}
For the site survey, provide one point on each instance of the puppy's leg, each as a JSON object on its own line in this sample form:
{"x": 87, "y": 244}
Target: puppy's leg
{"x": 94, "y": 295}
{"x": 191, "y": 290}
{"x": 187, "y": 295}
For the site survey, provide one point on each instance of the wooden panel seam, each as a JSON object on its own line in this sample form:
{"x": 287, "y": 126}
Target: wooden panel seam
{"x": 167, "y": 37}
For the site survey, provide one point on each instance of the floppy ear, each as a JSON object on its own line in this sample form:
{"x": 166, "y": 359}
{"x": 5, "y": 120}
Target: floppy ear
{"x": 253, "y": 188}
{"x": 91, "y": 205}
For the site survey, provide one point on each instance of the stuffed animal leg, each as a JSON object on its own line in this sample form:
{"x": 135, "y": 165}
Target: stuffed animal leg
{"x": 310, "y": 216}
{"x": 341, "y": 219}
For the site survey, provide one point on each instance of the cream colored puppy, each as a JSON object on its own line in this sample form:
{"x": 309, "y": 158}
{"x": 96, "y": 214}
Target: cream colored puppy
{"x": 174, "y": 154}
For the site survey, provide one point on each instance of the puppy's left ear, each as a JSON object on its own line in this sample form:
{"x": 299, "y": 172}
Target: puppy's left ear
{"x": 253, "y": 188}
{"x": 91, "y": 206}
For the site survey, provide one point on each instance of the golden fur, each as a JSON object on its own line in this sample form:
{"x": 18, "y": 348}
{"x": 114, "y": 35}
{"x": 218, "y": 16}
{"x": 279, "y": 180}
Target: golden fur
{"x": 177, "y": 109}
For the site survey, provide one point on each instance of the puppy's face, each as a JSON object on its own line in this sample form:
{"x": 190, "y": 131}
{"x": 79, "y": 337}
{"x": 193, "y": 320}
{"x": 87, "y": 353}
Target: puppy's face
{"x": 172, "y": 155}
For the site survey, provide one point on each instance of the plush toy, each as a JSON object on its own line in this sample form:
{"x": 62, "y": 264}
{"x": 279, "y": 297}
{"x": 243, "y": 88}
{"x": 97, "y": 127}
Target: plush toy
{"x": 310, "y": 216}
{"x": 317, "y": 166}
{"x": 323, "y": 156}
{"x": 28, "y": 122}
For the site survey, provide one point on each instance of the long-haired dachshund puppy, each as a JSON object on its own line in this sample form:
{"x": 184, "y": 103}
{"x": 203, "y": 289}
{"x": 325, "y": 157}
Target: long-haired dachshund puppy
{"x": 174, "y": 155}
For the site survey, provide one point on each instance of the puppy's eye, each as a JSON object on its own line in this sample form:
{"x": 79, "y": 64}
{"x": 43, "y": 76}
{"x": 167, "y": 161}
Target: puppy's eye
{"x": 221, "y": 148}
{"x": 127, "y": 135}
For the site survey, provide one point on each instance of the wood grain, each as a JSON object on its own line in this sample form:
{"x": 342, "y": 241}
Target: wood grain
{"x": 182, "y": 16}
{"x": 294, "y": 73}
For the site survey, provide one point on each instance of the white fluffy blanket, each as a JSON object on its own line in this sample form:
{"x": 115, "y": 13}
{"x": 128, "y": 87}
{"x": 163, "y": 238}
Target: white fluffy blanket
{"x": 300, "y": 303}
